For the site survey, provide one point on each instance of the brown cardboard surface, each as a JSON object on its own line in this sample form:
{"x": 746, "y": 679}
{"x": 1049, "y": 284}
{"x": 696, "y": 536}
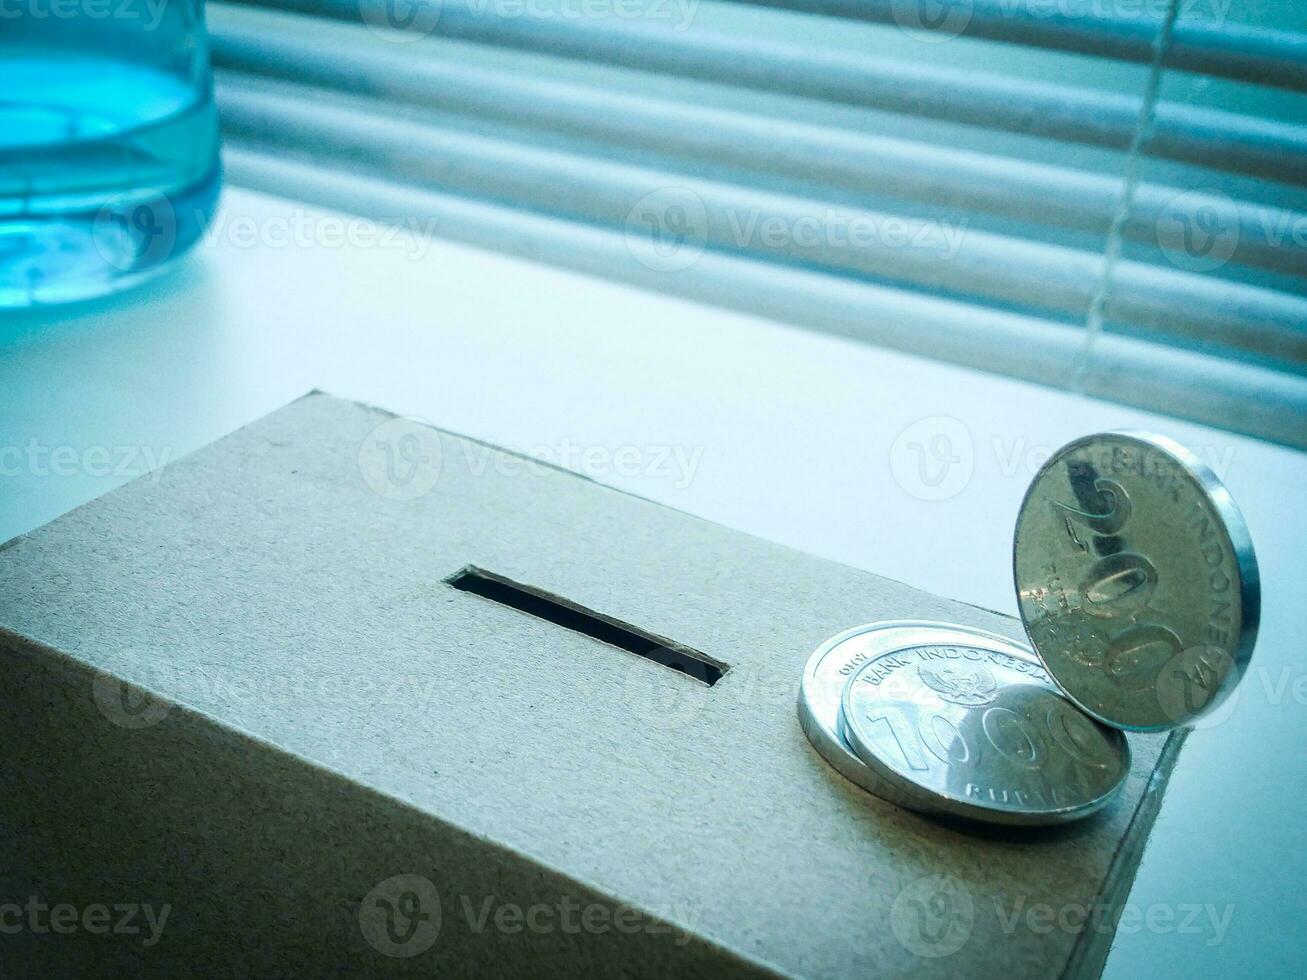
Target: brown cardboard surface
{"x": 324, "y": 713}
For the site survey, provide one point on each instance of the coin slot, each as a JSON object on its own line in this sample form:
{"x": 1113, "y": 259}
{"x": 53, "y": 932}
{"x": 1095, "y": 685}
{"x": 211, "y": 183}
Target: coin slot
{"x": 570, "y": 616}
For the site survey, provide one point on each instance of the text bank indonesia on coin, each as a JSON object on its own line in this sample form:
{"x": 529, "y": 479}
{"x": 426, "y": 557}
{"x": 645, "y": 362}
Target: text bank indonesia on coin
{"x": 1136, "y": 580}
{"x": 956, "y": 721}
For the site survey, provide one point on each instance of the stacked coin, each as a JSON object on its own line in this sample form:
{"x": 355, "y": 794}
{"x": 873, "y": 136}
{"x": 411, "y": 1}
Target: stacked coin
{"x": 1138, "y": 590}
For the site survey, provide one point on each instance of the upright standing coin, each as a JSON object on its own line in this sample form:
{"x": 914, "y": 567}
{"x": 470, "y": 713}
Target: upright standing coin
{"x": 969, "y": 727}
{"x": 1136, "y": 580}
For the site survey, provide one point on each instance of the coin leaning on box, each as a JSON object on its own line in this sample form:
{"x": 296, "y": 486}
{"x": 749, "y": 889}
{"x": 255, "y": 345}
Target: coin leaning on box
{"x": 1138, "y": 590}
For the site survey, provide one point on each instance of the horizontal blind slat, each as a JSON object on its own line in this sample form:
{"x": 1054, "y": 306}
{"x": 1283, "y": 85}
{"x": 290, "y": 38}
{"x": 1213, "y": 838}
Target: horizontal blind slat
{"x": 1242, "y": 397}
{"x": 349, "y": 59}
{"x": 1224, "y": 49}
{"x": 937, "y": 256}
{"x": 533, "y": 121}
{"x": 1206, "y": 137}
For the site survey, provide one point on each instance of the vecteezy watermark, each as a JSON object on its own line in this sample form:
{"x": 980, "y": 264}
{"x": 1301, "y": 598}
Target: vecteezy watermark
{"x": 1199, "y": 231}
{"x": 669, "y": 229}
{"x": 670, "y": 701}
{"x": 126, "y": 704}
{"x": 679, "y": 13}
{"x": 405, "y": 21}
{"x": 1202, "y": 230}
{"x": 932, "y": 21}
{"x": 933, "y": 458}
{"x": 942, "y": 20}
{"x": 38, "y": 458}
{"x": 936, "y": 457}
{"x": 933, "y": 916}
{"x": 1193, "y": 678}
{"x": 136, "y": 231}
{"x": 1019, "y": 456}
{"x": 400, "y": 21}
{"x": 306, "y": 229}
{"x": 95, "y": 918}
{"x": 675, "y": 464}
{"x": 133, "y": 704}
{"x": 403, "y": 458}
{"x": 1204, "y": 921}
{"x": 402, "y": 917}
{"x": 141, "y": 230}
{"x": 148, "y": 13}
{"x": 570, "y": 916}
{"x": 1187, "y": 683}
{"x": 651, "y": 693}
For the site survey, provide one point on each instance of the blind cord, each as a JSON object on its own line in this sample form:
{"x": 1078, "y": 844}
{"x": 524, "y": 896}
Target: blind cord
{"x": 1125, "y": 203}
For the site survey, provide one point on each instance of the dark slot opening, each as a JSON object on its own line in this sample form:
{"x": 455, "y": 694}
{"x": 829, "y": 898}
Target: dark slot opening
{"x": 569, "y": 616}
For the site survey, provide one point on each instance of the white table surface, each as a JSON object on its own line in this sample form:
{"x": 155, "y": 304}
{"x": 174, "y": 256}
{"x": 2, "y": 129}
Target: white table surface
{"x": 799, "y": 437}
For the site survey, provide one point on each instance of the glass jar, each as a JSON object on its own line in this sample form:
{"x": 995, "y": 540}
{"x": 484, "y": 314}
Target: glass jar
{"x": 109, "y": 167}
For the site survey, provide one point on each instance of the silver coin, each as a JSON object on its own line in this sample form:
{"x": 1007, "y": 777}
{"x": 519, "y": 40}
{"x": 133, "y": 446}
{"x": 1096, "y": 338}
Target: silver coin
{"x": 829, "y": 669}
{"x": 1136, "y": 580}
{"x": 832, "y": 665}
{"x": 972, "y": 727}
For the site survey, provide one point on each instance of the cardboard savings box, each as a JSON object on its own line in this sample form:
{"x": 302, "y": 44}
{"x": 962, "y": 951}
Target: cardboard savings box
{"x": 265, "y": 713}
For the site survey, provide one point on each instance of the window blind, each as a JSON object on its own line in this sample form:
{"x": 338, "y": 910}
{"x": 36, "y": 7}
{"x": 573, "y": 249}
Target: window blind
{"x": 1114, "y": 203}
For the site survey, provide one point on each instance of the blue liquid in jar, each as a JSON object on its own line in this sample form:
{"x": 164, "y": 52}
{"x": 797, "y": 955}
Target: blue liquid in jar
{"x": 108, "y": 151}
